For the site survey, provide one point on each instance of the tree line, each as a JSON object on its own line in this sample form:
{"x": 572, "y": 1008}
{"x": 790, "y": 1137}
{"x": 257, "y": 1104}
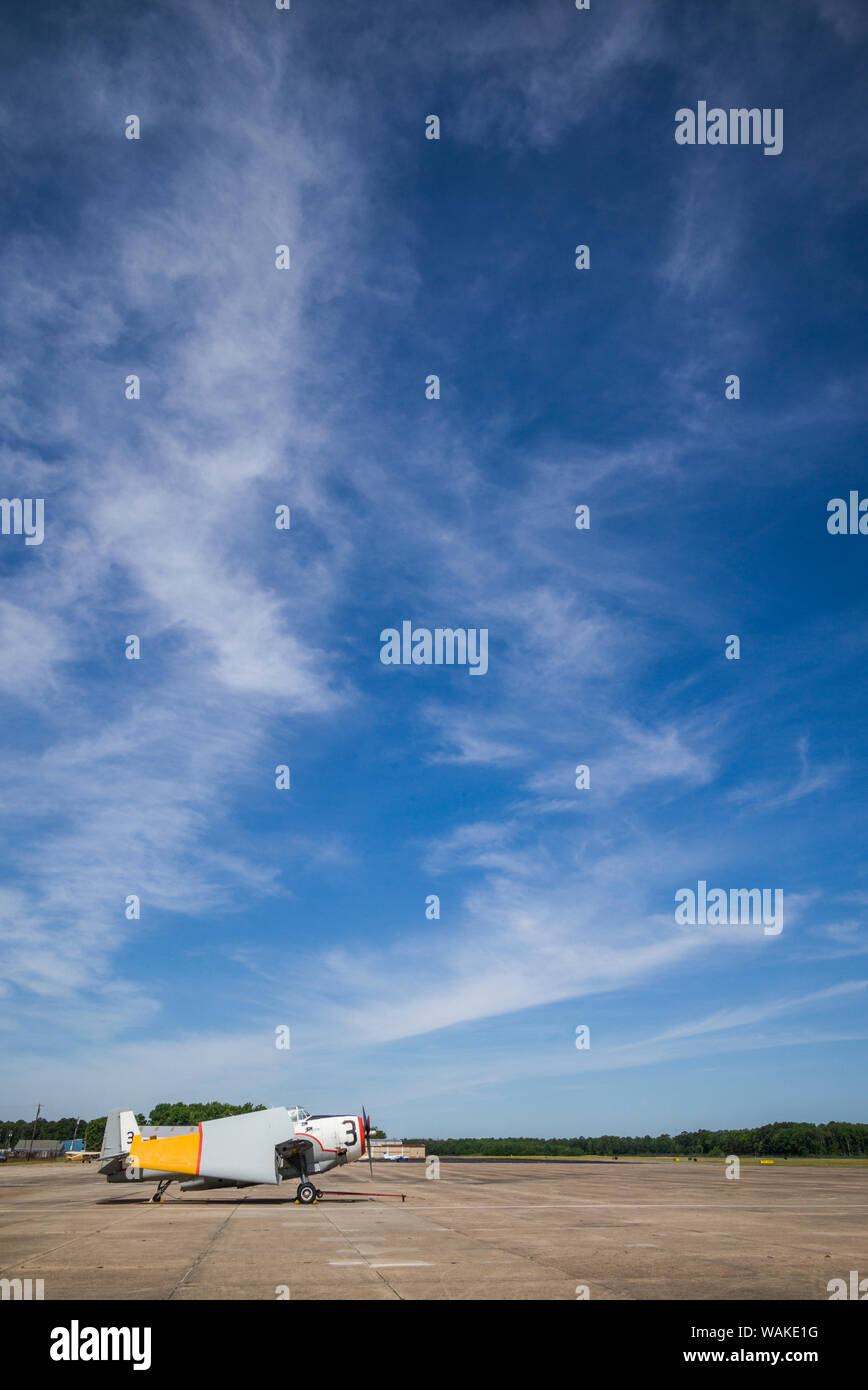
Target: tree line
{"x": 782, "y": 1139}
{"x": 166, "y": 1113}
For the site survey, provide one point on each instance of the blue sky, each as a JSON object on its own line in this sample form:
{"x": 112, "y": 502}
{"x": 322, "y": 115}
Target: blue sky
{"x": 261, "y": 647}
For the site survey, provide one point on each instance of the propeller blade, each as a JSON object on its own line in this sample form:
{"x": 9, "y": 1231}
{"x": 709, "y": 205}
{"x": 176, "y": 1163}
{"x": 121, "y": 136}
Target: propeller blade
{"x": 366, "y": 1121}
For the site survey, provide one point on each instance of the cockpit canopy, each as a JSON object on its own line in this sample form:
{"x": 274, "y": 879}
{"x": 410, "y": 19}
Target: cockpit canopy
{"x": 298, "y": 1114}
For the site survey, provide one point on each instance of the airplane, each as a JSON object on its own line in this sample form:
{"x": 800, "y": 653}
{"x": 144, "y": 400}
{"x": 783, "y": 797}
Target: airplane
{"x": 265, "y": 1146}
{"x": 82, "y": 1155}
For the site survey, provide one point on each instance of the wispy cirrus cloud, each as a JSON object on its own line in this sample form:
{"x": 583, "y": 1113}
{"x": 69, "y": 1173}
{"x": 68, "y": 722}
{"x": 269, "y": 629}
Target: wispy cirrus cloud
{"x": 305, "y": 388}
{"x": 811, "y": 779}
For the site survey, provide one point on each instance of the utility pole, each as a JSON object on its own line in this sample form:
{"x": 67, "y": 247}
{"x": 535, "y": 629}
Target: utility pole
{"x": 33, "y": 1135}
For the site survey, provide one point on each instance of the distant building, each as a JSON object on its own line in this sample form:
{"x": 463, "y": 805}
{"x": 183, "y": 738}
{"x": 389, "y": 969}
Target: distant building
{"x": 396, "y": 1148}
{"x": 41, "y": 1148}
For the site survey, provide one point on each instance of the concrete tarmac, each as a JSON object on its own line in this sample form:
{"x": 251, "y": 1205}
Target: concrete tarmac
{"x": 480, "y": 1231}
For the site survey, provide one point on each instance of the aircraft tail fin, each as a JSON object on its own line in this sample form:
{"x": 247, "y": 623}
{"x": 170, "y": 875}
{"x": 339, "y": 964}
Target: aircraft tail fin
{"x": 121, "y": 1126}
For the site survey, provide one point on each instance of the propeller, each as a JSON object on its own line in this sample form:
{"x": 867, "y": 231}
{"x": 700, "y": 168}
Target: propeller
{"x": 366, "y": 1121}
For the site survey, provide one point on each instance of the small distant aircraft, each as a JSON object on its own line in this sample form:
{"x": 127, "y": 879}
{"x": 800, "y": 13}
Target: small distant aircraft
{"x": 82, "y": 1155}
{"x": 264, "y": 1146}
{"x": 396, "y": 1158}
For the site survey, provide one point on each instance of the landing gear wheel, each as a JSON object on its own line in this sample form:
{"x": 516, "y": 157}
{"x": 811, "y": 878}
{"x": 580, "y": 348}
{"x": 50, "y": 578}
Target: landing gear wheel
{"x": 306, "y": 1193}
